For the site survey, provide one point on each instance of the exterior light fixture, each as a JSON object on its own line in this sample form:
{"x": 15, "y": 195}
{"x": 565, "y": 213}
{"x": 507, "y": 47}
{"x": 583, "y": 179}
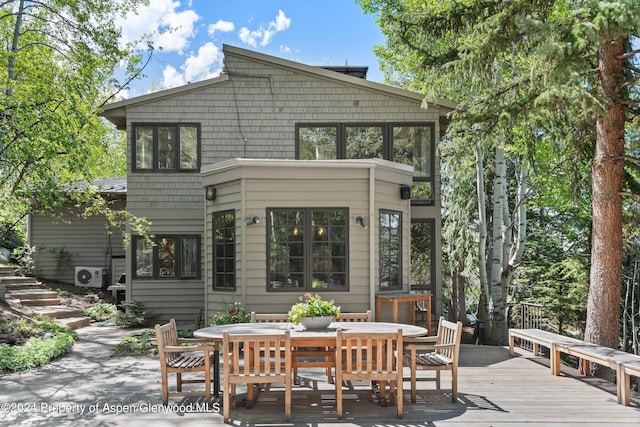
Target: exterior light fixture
{"x": 405, "y": 192}
{"x": 252, "y": 220}
{"x": 210, "y": 193}
{"x": 361, "y": 222}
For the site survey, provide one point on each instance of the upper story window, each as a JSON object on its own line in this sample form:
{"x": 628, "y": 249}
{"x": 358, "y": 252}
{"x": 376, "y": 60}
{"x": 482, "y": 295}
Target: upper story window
{"x": 307, "y": 249}
{"x": 166, "y": 147}
{"x": 224, "y": 251}
{"x": 390, "y": 250}
{"x": 166, "y": 257}
{"x": 408, "y": 143}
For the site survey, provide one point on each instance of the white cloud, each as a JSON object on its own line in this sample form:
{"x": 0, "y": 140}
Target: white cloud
{"x": 169, "y": 28}
{"x": 223, "y": 26}
{"x": 196, "y": 67}
{"x": 264, "y": 35}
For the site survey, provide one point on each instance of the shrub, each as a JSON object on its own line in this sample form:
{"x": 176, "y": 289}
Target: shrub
{"x": 43, "y": 342}
{"x": 102, "y": 311}
{"x": 134, "y": 315}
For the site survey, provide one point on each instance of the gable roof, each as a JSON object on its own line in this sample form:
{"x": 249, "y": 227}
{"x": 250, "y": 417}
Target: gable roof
{"x": 116, "y": 111}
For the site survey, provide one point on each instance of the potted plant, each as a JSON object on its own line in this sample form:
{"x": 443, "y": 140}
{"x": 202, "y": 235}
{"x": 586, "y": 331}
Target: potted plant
{"x": 234, "y": 314}
{"x": 313, "y": 312}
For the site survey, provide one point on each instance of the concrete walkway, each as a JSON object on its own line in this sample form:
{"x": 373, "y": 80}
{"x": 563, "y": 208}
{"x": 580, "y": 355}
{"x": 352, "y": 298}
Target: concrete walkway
{"x": 89, "y": 387}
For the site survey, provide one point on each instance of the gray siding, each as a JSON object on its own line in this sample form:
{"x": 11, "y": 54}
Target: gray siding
{"x": 86, "y": 239}
{"x": 250, "y": 112}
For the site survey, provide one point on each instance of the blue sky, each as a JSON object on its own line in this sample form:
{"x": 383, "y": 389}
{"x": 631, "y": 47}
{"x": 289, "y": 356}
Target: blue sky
{"x": 313, "y": 32}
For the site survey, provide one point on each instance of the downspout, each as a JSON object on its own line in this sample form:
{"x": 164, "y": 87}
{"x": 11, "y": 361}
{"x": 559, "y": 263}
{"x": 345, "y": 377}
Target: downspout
{"x": 372, "y": 246}
{"x": 206, "y": 261}
{"x": 243, "y": 269}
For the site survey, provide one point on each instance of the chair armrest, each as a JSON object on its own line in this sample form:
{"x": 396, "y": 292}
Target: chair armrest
{"x": 184, "y": 349}
{"x": 418, "y": 340}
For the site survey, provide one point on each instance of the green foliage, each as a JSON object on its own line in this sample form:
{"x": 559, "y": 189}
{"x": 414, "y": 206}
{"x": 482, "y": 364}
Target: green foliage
{"x": 311, "y": 305}
{"x": 64, "y": 259}
{"x": 58, "y": 61}
{"x": 23, "y": 255}
{"x": 137, "y": 344}
{"x": 11, "y": 237}
{"x": 134, "y": 315}
{"x": 43, "y": 342}
{"x": 235, "y": 313}
{"x": 102, "y": 311}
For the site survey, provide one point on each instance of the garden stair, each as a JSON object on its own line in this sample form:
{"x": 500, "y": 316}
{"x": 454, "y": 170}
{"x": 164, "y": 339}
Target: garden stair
{"x": 31, "y": 294}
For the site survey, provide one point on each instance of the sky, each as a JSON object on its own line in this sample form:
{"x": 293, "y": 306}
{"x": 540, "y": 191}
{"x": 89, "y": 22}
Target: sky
{"x": 312, "y": 32}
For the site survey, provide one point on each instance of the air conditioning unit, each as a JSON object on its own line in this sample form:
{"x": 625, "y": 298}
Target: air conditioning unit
{"x": 89, "y": 277}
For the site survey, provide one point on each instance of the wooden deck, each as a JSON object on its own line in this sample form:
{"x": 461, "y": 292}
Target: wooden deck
{"x": 494, "y": 390}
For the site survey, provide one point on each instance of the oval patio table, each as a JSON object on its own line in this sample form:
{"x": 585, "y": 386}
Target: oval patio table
{"x": 301, "y": 337}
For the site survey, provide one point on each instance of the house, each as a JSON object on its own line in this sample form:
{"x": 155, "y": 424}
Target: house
{"x": 278, "y": 178}
{"x": 68, "y": 243}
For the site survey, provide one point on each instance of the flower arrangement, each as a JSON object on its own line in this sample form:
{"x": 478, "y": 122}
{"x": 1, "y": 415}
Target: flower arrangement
{"x": 234, "y": 314}
{"x": 311, "y": 305}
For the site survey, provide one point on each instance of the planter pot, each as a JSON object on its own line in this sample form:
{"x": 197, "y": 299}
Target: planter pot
{"x": 321, "y": 322}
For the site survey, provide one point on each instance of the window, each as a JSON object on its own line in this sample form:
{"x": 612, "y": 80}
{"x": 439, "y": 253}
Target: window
{"x": 413, "y": 146}
{"x": 390, "y": 250}
{"x": 166, "y": 147}
{"x": 307, "y": 249}
{"x": 166, "y": 257}
{"x": 224, "y": 251}
{"x": 422, "y": 250}
{"x": 408, "y": 143}
{"x": 317, "y": 143}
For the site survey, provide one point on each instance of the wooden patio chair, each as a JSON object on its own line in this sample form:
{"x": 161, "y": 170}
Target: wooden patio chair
{"x": 269, "y": 317}
{"x": 442, "y": 354}
{"x": 176, "y": 358}
{"x": 375, "y": 357}
{"x": 354, "y": 317}
{"x": 267, "y": 360}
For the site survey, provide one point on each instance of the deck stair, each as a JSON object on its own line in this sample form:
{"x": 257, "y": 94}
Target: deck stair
{"x": 31, "y": 294}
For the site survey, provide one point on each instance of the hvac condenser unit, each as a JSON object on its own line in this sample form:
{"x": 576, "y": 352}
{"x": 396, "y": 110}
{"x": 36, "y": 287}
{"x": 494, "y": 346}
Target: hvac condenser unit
{"x": 89, "y": 277}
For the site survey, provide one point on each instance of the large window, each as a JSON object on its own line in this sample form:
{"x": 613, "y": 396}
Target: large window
{"x": 307, "y": 249}
{"x": 390, "y": 250}
{"x": 166, "y": 147}
{"x": 224, "y": 251}
{"x": 166, "y": 256}
{"x": 408, "y": 143}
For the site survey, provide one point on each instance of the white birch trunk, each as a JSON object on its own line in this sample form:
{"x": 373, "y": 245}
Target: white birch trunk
{"x": 483, "y": 303}
{"x": 499, "y": 321}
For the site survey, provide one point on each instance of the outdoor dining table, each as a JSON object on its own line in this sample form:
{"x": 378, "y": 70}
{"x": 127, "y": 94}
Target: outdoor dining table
{"x": 301, "y": 337}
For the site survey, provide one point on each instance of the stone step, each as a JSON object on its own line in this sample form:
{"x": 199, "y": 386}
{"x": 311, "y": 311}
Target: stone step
{"x": 7, "y": 271}
{"x": 31, "y": 294}
{"x": 58, "y": 311}
{"x": 40, "y": 302}
{"x": 75, "y": 322}
{"x": 15, "y": 280}
{"x": 16, "y": 286}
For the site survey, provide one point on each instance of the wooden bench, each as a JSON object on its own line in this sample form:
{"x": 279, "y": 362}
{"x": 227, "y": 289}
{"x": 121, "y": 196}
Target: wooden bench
{"x": 624, "y": 389}
{"x": 623, "y": 363}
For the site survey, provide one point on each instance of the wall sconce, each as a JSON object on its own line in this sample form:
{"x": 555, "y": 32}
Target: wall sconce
{"x": 405, "y": 192}
{"x": 361, "y": 222}
{"x": 210, "y": 193}
{"x": 252, "y": 220}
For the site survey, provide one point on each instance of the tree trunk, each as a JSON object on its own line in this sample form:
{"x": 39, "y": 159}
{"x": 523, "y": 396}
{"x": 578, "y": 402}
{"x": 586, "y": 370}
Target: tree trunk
{"x": 499, "y": 321}
{"x": 603, "y": 305}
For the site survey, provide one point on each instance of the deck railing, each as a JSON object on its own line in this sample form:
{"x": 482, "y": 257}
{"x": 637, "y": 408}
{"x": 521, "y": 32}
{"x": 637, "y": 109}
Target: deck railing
{"x": 531, "y": 315}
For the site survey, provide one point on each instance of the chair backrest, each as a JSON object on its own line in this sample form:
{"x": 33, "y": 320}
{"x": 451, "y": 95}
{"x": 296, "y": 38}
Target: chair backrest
{"x": 267, "y": 358}
{"x": 269, "y": 317}
{"x": 449, "y": 334}
{"x": 354, "y": 317}
{"x": 369, "y": 356}
{"x": 167, "y": 335}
